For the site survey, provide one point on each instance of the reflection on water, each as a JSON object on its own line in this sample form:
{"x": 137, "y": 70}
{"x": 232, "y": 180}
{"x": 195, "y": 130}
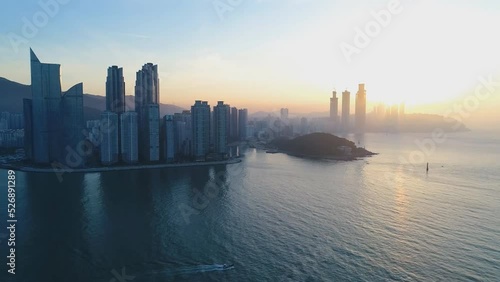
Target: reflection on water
{"x": 276, "y": 217}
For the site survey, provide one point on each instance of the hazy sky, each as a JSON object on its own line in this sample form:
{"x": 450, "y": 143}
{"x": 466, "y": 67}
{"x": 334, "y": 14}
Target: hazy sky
{"x": 265, "y": 54}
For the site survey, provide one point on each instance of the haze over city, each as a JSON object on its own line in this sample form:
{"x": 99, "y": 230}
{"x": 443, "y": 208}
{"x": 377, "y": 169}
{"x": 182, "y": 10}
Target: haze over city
{"x": 290, "y": 55}
{"x": 249, "y": 140}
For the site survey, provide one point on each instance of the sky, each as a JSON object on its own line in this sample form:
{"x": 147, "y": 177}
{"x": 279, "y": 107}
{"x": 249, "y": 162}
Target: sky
{"x": 269, "y": 54}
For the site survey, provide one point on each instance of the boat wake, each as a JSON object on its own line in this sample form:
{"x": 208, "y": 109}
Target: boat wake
{"x": 185, "y": 270}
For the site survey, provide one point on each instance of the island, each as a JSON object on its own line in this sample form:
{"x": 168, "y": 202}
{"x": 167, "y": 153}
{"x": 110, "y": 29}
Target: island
{"x": 319, "y": 146}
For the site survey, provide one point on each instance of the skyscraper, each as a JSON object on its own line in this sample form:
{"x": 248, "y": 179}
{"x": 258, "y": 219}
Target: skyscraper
{"x": 55, "y": 121}
{"x": 109, "y": 144}
{"x": 361, "y": 109}
{"x": 200, "y": 114}
{"x": 46, "y": 98}
{"x": 147, "y": 91}
{"x": 128, "y": 137}
{"x": 233, "y": 124}
{"x": 168, "y": 140}
{"x": 334, "y": 107}
{"x": 243, "y": 123}
{"x": 72, "y": 117}
{"x": 184, "y": 134}
{"x": 221, "y": 134}
{"x": 115, "y": 97}
{"x": 28, "y": 128}
{"x": 346, "y": 109}
{"x": 284, "y": 114}
{"x": 115, "y": 90}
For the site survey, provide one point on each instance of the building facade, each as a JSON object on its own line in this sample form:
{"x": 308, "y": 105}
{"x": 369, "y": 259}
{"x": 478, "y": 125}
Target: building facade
{"x": 361, "y": 109}
{"x": 200, "y": 114}
{"x": 168, "y": 139}
{"x": 72, "y": 118}
{"x": 128, "y": 137}
{"x": 115, "y": 90}
{"x": 243, "y": 124}
{"x": 221, "y": 134}
{"x": 147, "y": 92}
{"x": 233, "y": 125}
{"x": 346, "y": 110}
{"x": 53, "y": 122}
{"x": 109, "y": 131}
{"x": 334, "y": 107}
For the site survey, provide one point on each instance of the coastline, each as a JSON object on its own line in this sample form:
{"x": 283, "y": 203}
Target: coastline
{"x": 116, "y": 168}
{"x": 328, "y": 157}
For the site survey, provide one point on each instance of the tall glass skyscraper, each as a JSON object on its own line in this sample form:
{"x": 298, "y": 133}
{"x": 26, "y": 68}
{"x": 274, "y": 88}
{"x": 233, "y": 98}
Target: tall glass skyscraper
{"x": 54, "y": 121}
{"x": 72, "y": 119}
{"x": 46, "y": 99}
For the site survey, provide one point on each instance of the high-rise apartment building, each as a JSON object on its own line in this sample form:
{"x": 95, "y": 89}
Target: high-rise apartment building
{"x": 115, "y": 96}
{"x": 346, "y": 110}
{"x": 168, "y": 139}
{"x": 233, "y": 120}
{"x": 109, "y": 144}
{"x": 361, "y": 109}
{"x": 184, "y": 134}
{"x": 243, "y": 123}
{"x": 128, "y": 137}
{"x": 115, "y": 90}
{"x": 334, "y": 107}
{"x": 200, "y": 115}
{"x": 147, "y": 91}
{"x": 221, "y": 134}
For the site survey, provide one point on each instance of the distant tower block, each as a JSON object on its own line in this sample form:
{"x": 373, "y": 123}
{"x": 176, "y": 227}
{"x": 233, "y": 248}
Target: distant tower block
{"x": 346, "y": 110}
{"x": 361, "y": 109}
{"x": 334, "y": 107}
{"x": 284, "y": 114}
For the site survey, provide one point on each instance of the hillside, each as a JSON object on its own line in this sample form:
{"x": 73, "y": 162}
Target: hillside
{"x": 13, "y": 93}
{"x": 319, "y": 145}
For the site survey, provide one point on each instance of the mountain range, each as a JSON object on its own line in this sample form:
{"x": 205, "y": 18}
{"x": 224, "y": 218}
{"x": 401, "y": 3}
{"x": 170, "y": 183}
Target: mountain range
{"x": 13, "y": 93}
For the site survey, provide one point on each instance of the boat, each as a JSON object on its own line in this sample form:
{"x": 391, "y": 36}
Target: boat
{"x": 272, "y": 151}
{"x": 227, "y": 266}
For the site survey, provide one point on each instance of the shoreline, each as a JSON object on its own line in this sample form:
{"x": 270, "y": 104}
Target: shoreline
{"x": 116, "y": 168}
{"x": 328, "y": 157}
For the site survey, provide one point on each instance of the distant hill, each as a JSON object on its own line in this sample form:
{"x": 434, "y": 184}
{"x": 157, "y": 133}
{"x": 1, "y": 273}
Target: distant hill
{"x": 319, "y": 145}
{"x": 13, "y": 93}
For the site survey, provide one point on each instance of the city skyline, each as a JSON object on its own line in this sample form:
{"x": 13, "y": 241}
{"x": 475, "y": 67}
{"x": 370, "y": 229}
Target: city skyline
{"x": 298, "y": 57}
{"x": 250, "y": 140}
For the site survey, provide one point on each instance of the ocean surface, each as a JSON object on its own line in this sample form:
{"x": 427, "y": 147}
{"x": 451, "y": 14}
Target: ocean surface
{"x": 275, "y": 217}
